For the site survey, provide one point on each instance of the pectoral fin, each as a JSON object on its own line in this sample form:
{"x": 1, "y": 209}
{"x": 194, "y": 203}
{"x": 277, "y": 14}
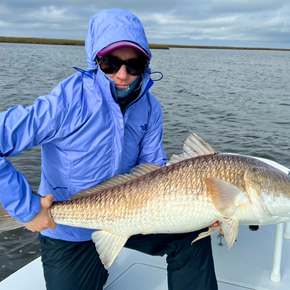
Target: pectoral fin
{"x": 108, "y": 246}
{"x": 225, "y": 196}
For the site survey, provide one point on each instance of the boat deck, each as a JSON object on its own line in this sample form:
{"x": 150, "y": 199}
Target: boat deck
{"x": 247, "y": 265}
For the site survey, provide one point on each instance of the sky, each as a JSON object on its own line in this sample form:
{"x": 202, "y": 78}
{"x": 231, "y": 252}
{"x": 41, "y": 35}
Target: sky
{"x": 243, "y": 23}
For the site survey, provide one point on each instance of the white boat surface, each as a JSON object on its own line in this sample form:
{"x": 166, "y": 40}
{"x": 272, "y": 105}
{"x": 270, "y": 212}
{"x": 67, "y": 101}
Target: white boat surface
{"x": 247, "y": 265}
{"x": 258, "y": 260}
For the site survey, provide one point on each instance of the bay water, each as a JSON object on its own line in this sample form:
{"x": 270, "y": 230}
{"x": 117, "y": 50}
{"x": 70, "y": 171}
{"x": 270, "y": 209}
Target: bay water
{"x": 237, "y": 100}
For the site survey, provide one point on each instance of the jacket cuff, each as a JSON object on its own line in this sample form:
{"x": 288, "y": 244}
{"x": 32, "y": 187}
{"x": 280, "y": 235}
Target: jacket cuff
{"x": 34, "y": 210}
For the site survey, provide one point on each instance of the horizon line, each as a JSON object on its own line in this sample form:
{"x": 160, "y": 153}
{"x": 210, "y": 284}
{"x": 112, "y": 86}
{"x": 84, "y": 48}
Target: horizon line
{"x": 52, "y": 41}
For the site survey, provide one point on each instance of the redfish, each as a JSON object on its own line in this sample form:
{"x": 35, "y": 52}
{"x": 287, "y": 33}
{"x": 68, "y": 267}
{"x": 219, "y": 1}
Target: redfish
{"x": 194, "y": 190}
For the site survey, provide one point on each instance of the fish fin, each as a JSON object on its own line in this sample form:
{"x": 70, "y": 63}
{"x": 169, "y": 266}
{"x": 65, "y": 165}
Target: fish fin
{"x": 225, "y": 196}
{"x": 230, "y": 229}
{"x": 108, "y": 246}
{"x": 193, "y": 146}
{"x": 117, "y": 180}
{"x": 205, "y": 234}
{"x": 8, "y": 223}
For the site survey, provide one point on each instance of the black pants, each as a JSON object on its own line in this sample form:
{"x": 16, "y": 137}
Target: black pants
{"x": 76, "y": 266}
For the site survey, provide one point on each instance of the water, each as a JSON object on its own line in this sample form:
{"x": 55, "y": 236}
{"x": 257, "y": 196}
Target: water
{"x": 238, "y": 101}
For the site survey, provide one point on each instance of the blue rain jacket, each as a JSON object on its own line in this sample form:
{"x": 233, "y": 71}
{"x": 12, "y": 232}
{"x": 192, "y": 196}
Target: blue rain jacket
{"x": 84, "y": 137}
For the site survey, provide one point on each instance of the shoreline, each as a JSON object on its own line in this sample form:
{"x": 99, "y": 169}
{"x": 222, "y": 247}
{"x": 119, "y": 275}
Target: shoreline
{"x": 51, "y": 41}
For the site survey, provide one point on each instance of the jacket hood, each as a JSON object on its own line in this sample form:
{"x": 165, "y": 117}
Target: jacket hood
{"x": 110, "y": 26}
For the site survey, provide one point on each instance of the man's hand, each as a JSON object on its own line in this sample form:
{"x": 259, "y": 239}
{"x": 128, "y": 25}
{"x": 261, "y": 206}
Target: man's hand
{"x": 43, "y": 219}
{"x": 216, "y": 224}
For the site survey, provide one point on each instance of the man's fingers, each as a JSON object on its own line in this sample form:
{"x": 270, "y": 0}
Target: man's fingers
{"x": 216, "y": 224}
{"x": 43, "y": 219}
{"x": 47, "y": 201}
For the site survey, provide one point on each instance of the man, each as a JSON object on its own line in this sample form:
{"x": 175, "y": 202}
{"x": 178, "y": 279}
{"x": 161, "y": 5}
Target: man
{"x": 94, "y": 125}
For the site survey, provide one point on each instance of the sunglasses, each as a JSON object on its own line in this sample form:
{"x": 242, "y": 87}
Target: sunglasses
{"x": 111, "y": 65}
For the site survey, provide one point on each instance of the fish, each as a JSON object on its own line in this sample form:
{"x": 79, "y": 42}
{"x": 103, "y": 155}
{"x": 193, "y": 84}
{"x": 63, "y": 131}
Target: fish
{"x": 194, "y": 190}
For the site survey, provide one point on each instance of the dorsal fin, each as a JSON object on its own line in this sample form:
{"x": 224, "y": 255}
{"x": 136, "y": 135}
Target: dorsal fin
{"x": 193, "y": 146}
{"x": 135, "y": 172}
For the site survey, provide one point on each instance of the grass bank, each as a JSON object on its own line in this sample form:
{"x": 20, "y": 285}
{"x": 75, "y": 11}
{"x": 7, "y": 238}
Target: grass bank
{"x": 151, "y": 46}
{"x": 60, "y": 41}
{"x": 42, "y": 41}
{"x": 227, "y": 47}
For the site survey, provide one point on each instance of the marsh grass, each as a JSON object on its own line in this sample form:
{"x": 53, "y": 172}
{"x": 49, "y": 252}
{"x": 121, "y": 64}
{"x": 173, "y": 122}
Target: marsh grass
{"x": 151, "y": 46}
{"x": 42, "y": 41}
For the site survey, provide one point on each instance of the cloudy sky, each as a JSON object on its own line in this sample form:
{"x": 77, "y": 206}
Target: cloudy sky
{"x": 247, "y": 23}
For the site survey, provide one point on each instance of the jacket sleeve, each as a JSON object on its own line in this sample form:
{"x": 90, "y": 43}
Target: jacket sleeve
{"x": 151, "y": 149}
{"x": 22, "y": 128}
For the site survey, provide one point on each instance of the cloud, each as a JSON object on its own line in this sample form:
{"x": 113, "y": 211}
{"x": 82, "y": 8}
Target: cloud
{"x": 259, "y": 22}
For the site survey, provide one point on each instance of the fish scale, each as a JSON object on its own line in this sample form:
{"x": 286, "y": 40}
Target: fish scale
{"x": 177, "y": 191}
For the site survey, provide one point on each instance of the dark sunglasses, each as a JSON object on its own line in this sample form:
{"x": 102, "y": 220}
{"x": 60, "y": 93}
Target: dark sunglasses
{"x": 111, "y": 65}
